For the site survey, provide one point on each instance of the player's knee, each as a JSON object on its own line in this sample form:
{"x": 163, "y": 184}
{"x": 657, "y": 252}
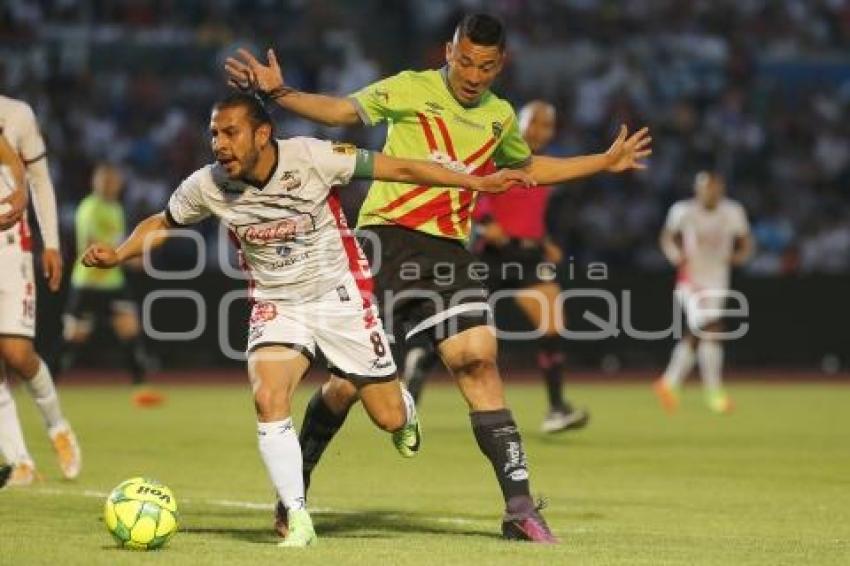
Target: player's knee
{"x": 390, "y": 418}
{"x": 20, "y": 358}
{"x": 271, "y": 403}
{"x": 339, "y": 394}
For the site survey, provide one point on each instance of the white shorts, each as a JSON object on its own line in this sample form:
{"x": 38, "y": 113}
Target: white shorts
{"x": 349, "y": 333}
{"x": 17, "y": 293}
{"x": 701, "y": 306}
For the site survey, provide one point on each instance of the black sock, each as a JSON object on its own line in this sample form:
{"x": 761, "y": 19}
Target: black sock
{"x": 550, "y": 359}
{"x": 133, "y": 351}
{"x": 498, "y": 438}
{"x": 318, "y": 428}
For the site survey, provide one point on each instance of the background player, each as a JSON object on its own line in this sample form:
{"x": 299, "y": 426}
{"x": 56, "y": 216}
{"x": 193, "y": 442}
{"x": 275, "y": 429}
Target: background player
{"x": 512, "y": 230}
{"x": 101, "y": 295}
{"x": 450, "y": 116}
{"x": 17, "y": 304}
{"x": 702, "y": 238}
{"x": 309, "y": 285}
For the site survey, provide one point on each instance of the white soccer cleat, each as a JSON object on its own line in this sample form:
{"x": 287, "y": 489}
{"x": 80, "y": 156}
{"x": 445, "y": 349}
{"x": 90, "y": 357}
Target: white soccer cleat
{"x": 560, "y": 420}
{"x": 23, "y": 474}
{"x": 67, "y": 450}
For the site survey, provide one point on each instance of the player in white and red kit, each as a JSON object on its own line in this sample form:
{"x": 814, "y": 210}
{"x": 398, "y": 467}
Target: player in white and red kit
{"x": 17, "y": 303}
{"x": 703, "y": 237}
{"x": 309, "y": 281}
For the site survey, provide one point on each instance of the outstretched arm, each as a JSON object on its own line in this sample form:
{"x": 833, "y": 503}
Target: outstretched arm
{"x": 626, "y": 153}
{"x": 150, "y": 234}
{"x": 247, "y": 73}
{"x": 388, "y": 168}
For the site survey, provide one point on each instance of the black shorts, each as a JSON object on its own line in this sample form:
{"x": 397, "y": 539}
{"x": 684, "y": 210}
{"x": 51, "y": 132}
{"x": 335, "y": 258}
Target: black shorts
{"x": 98, "y": 304}
{"x": 516, "y": 265}
{"x": 424, "y": 284}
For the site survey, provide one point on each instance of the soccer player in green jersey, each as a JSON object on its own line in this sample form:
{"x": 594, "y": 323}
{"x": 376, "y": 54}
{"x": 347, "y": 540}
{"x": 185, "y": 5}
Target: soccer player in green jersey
{"x": 414, "y": 236}
{"x": 100, "y": 296}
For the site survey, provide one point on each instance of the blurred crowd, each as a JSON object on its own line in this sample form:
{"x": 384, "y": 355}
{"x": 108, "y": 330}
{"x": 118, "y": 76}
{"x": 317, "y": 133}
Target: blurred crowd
{"x": 759, "y": 89}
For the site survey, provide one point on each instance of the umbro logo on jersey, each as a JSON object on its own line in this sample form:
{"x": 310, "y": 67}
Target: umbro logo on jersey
{"x": 434, "y": 108}
{"x": 289, "y": 180}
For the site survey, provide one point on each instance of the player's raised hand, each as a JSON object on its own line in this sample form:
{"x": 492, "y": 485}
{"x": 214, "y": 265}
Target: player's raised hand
{"x": 503, "y": 180}
{"x": 245, "y": 72}
{"x": 51, "y": 265}
{"x": 99, "y": 255}
{"x": 14, "y": 206}
{"x": 628, "y": 151}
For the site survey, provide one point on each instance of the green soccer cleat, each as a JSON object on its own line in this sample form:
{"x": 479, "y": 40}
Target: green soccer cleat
{"x": 301, "y": 533}
{"x": 408, "y": 439}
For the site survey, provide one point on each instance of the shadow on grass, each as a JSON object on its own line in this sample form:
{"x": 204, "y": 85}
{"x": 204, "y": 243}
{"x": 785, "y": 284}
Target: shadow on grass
{"x": 357, "y": 525}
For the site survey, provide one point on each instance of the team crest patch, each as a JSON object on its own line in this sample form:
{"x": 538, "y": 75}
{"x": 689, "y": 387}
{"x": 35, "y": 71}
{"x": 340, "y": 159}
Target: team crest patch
{"x": 497, "y": 129}
{"x": 263, "y": 312}
{"x": 344, "y": 148}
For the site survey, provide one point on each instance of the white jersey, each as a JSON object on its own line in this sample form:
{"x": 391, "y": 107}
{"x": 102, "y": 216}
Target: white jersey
{"x": 291, "y": 233}
{"x": 20, "y": 128}
{"x": 708, "y": 240}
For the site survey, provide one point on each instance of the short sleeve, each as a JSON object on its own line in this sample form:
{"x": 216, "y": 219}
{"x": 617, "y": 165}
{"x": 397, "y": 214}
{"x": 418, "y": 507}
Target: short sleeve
{"x": 30, "y": 144}
{"x": 674, "y": 218}
{"x": 513, "y": 151}
{"x": 382, "y": 100}
{"x": 334, "y": 162}
{"x": 187, "y": 205}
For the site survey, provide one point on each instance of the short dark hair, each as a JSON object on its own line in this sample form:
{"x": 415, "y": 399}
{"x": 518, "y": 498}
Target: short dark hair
{"x": 254, "y": 107}
{"x": 482, "y": 29}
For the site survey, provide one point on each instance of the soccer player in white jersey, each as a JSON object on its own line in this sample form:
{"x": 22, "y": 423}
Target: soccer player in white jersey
{"x": 18, "y": 301}
{"x": 310, "y": 283}
{"x": 703, "y": 237}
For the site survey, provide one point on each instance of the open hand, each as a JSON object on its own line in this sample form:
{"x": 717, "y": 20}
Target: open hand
{"x": 51, "y": 266}
{"x": 245, "y": 72}
{"x": 628, "y": 152}
{"x": 14, "y": 206}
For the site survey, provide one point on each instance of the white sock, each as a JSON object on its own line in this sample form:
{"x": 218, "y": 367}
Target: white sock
{"x": 12, "y": 444}
{"x": 681, "y": 363}
{"x": 281, "y": 453}
{"x": 710, "y": 354}
{"x": 44, "y": 394}
{"x": 409, "y": 405}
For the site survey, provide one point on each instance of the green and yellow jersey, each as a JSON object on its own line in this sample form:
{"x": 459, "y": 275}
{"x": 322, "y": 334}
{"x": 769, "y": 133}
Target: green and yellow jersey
{"x": 98, "y": 221}
{"x": 426, "y": 122}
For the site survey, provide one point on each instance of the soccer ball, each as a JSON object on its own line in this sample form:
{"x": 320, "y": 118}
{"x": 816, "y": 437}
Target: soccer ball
{"x": 141, "y": 514}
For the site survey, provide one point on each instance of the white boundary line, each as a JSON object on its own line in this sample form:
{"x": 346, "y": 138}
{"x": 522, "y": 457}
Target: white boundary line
{"x": 252, "y": 505}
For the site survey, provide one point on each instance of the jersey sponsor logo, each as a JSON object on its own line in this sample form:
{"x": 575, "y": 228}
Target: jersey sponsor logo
{"x": 446, "y": 161}
{"x": 497, "y": 129}
{"x": 344, "y": 148}
{"x": 290, "y": 260}
{"x": 263, "y": 312}
{"x": 289, "y": 180}
{"x": 378, "y": 363}
{"x": 467, "y": 122}
{"x": 343, "y": 294}
{"x": 277, "y": 230}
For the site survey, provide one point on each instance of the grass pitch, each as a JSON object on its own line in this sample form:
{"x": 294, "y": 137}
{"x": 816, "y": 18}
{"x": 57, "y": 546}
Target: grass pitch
{"x": 767, "y": 485}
